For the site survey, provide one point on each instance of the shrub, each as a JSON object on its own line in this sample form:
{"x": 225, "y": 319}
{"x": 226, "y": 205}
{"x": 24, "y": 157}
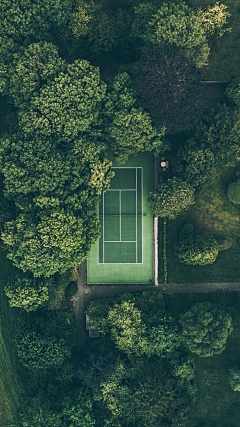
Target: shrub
{"x": 37, "y": 352}
{"x": 171, "y": 198}
{"x": 234, "y": 379}
{"x": 233, "y": 192}
{"x": 205, "y": 329}
{"x": 196, "y": 249}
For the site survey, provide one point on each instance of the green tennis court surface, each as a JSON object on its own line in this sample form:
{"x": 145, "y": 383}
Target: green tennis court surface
{"x": 124, "y": 252}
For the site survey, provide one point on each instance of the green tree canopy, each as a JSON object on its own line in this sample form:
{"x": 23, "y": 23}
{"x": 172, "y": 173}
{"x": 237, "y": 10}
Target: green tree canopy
{"x": 169, "y": 87}
{"x": 26, "y": 292}
{"x": 67, "y": 106}
{"x": 37, "y": 352}
{"x": 196, "y": 249}
{"x": 195, "y": 162}
{"x": 51, "y": 243}
{"x": 129, "y": 129}
{"x": 206, "y": 329}
{"x": 171, "y": 198}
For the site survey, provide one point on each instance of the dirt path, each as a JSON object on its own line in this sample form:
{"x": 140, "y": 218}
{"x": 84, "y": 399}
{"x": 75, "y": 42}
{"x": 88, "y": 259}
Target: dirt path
{"x": 88, "y": 292}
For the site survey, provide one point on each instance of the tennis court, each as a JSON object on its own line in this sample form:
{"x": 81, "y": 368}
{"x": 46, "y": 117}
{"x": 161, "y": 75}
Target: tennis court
{"x": 124, "y": 251}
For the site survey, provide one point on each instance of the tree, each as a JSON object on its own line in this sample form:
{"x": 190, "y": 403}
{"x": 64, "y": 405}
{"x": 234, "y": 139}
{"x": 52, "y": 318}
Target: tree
{"x": 171, "y": 198}
{"x": 214, "y": 19}
{"x": 67, "y": 106}
{"x": 37, "y": 352}
{"x": 196, "y": 249}
{"x": 49, "y": 244}
{"x": 26, "y": 292}
{"x": 77, "y": 410}
{"x": 145, "y": 393}
{"x": 128, "y": 128}
{"x": 177, "y": 24}
{"x": 234, "y": 379}
{"x": 205, "y": 329}
{"x": 169, "y": 87}
{"x": 194, "y": 162}
{"x": 31, "y": 69}
{"x": 233, "y": 192}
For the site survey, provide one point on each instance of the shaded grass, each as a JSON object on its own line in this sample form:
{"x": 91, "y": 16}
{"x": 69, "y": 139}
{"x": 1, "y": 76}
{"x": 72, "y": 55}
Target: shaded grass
{"x": 214, "y": 215}
{"x": 216, "y": 403}
{"x": 12, "y": 373}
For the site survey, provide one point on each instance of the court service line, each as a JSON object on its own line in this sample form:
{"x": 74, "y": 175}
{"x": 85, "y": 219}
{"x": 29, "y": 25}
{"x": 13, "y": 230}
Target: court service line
{"x": 136, "y": 217}
{"x": 103, "y": 228}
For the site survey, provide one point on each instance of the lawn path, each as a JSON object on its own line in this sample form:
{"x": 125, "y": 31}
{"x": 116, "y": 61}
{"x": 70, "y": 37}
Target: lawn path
{"x": 91, "y": 292}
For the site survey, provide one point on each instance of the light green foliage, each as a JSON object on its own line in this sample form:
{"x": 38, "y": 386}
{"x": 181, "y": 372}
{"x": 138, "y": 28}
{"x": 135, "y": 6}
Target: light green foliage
{"x": 234, "y": 379}
{"x": 233, "y": 192}
{"x": 137, "y": 324}
{"x": 54, "y": 243}
{"x": 177, "y": 24}
{"x": 82, "y": 17}
{"x": 100, "y": 175}
{"x": 31, "y": 69}
{"x": 206, "y": 329}
{"x": 77, "y": 410}
{"x": 214, "y": 18}
{"x": 66, "y": 106}
{"x": 196, "y": 249}
{"x": 171, "y": 198}
{"x": 194, "y": 162}
{"x": 130, "y": 130}
{"x": 37, "y": 352}
{"x": 26, "y": 292}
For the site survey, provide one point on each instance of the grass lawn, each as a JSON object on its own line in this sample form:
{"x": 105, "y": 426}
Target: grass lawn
{"x": 12, "y": 373}
{"x": 224, "y": 59}
{"x": 216, "y": 403}
{"x": 215, "y": 215}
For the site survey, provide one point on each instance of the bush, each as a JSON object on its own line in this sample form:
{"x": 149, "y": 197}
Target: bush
{"x": 234, "y": 379}
{"x": 171, "y": 198}
{"x": 233, "y": 192}
{"x": 37, "y": 352}
{"x": 205, "y": 329}
{"x": 196, "y": 249}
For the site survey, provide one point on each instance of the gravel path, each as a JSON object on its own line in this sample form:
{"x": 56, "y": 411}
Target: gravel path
{"x": 88, "y": 292}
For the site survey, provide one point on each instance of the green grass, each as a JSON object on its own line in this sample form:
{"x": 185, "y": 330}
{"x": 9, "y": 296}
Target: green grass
{"x": 215, "y": 215}
{"x": 12, "y": 373}
{"x": 224, "y": 59}
{"x": 216, "y": 403}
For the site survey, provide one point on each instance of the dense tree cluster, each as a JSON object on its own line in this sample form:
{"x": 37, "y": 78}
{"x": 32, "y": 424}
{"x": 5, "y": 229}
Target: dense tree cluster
{"x": 196, "y": 249}
{"x": 233, "y": 192}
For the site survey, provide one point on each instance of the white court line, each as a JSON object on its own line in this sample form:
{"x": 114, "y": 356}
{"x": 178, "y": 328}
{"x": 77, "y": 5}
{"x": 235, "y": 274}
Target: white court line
{"x": 119, "y": 241}
{"x": 120, "y": 211}
{"x": 122, "y": 189}
{"x": 142, "y": 208}
{"x": 136, "y": 218}
{"x": 103, "y": 228}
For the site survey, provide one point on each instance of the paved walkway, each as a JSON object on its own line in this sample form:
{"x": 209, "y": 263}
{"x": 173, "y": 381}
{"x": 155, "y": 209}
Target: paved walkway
{"x": 88, "y": 292}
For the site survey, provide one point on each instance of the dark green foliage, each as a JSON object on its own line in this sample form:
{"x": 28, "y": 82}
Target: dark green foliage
{"x": 97, "y": 367}
{"x": 196, "y": 249}
{"x": 194, "y": 162}
{"x": 171, "y": 198}
{"x": 37, "y": 352}
{"x": 233, "y": 93}
{"x": 129, "y": 129}
{"x": 169, "y": 87}
{"x": 206, "y": 329}
{"x": 149, "y": 396}
{"x": 233, "y": 192}
{"x": 26, "y": 292}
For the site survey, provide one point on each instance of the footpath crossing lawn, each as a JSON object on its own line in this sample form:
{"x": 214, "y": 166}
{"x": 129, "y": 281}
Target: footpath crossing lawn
{"x": 124, "y": 252}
